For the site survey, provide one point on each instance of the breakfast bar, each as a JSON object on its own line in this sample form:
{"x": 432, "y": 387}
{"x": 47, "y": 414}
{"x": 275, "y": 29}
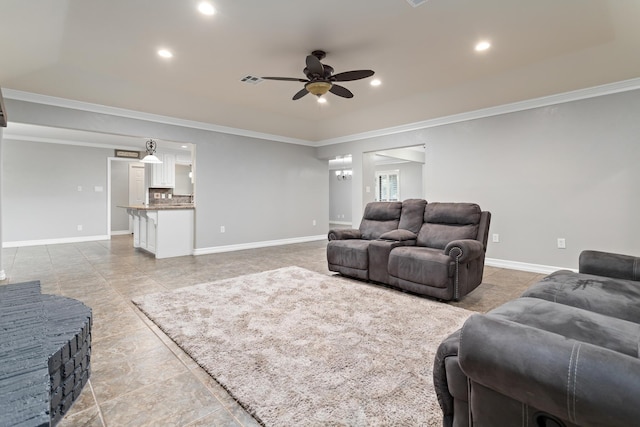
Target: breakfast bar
{"x": 163, "y": 230}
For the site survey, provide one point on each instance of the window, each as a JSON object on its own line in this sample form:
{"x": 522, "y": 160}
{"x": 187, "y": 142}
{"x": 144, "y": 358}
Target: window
{"x": 388, "y": 186}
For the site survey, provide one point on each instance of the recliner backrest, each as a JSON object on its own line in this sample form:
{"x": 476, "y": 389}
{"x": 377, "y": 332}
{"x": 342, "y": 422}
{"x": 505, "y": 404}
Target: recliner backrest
{"x": 446, "y": 222}
{"x": 412, "y": 215}
{"x": 378, "y": 218}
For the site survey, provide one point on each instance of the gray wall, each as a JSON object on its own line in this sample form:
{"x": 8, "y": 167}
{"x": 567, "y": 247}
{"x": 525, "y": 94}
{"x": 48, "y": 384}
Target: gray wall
{"x": 569, "y": 170}
{"x": 339, "y": 199}
{"x": 119, "y": 195}
{"x": 260, "y": 190}
{"x": 2, "y": 262}
{"x": 40, "y": 198}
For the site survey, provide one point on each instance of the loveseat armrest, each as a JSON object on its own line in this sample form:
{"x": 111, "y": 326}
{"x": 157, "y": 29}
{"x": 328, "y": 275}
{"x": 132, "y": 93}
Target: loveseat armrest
{"x": 610, "y": 265}
{"x": 583, "y": 383}
{"x": 464, "y": 250}
{"x": 344, "y": 234}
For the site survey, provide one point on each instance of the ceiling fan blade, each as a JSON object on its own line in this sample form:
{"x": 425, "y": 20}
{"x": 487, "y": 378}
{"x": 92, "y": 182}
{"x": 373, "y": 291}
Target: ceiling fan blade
{"x": 300, "y": 94}
{"x": 314, "y": 66}
{"x": 285, "y": 79}
{"x": 348, "y": 76}
{"x": 341, "y": 91}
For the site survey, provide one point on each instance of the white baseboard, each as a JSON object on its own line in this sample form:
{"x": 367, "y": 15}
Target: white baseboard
{"x": 121, "y": 232}
{"x": 341, "y": 222}
{"x": 23, "y": 243}
{"x": 524, "y": 266}
{"x": 256, "y": 245}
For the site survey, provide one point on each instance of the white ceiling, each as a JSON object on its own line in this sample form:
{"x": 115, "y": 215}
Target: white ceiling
{"x": 104, "y": 52}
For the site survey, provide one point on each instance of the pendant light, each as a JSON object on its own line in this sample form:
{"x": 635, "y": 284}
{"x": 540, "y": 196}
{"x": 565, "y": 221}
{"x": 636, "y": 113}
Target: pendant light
{"x": 151, "y": 149}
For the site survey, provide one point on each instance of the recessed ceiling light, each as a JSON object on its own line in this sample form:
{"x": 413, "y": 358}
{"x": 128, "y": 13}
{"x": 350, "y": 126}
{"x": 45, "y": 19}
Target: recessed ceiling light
{"x": 483, "y": 45}
{"x": 375, "y": 82}
{"x": 206, "y": 8}
{"x": 184, "y": 146}
{"x": 165, "y": 53}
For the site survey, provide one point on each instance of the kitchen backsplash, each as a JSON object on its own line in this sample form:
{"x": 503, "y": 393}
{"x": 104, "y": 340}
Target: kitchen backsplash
{"x": 165, "y": 196}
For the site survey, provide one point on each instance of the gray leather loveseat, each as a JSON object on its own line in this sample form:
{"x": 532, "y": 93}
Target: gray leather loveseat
{"x": 563, "y": 354}
{"x": 431, "y": 249}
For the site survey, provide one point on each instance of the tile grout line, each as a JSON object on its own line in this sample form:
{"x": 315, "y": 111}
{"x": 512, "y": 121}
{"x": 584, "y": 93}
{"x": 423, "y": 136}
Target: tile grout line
{"x": 95, "y": 399}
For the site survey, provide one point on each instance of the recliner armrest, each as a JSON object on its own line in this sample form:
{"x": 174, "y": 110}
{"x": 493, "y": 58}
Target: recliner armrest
{"x": 465, "y": 250}
{"x": 610, "y": 265}
{"x": 344, "y": 234}
{"x": 579, "y": 382}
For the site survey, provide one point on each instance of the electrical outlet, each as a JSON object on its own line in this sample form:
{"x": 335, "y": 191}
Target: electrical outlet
{"x": 156, "y": 195}
{"x": 562, "y": 244}
{"x": 222, "y": 229}
{"x": 314, "y": 222}
{"x": 79, "y": 228}
{"x": 495, "y": 238}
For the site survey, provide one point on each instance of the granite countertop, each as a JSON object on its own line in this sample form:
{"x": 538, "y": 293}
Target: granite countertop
{"x": 160, "y": 207}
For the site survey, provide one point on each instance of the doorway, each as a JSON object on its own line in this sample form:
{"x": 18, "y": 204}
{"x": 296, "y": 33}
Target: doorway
{"x": 340, "y": 191}
{"x": 393, "y": 175}
{"x": 127, "y": 187}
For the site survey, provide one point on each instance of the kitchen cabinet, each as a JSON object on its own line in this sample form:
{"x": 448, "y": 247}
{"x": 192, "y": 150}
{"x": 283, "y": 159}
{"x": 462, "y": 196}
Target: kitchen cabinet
{"x": 162, "y": 175}
{"x": 164, "y": 232}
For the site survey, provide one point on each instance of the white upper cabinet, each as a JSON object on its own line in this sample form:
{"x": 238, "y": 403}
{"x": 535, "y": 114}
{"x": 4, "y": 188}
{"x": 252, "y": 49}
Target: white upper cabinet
{"x": 162, "y": 175}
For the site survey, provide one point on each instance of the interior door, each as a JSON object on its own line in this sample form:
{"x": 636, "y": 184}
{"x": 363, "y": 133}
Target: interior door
{"x": 136, "y": 187}
{"x": 136, "y": 184}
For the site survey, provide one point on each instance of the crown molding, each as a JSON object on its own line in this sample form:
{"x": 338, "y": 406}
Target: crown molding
{"x": 576, "y": 95}
{"x": 139, "y": 115}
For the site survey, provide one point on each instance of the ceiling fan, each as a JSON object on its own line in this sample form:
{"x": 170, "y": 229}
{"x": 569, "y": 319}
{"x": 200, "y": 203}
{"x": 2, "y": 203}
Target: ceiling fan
{"x": 320, "y": 78}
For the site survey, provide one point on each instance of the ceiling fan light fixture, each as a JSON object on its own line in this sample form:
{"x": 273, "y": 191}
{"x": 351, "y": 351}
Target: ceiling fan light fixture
{"x": 318, "y": 88}
{"x": 322, "y": 100}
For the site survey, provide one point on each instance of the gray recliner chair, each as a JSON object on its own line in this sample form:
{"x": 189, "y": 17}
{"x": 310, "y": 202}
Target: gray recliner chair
{"x": 564, "y": 354}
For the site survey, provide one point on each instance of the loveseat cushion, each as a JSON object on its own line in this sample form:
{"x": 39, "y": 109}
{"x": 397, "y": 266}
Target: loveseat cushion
{"x": 421, "y": 265}
{"x": 612, "y": 297}
{"x": 378, "y": 218}
{"x": 445, "y": 222}
{"x": 412, "y": 215}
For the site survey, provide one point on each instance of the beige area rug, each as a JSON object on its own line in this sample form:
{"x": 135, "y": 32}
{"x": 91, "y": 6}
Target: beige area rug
{"x": 299, "y": 348}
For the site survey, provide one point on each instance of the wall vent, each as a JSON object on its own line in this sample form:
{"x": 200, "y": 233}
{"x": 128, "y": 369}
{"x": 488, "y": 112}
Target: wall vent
{"x": 416, "y": 3}
{"x": 251, "y": 79}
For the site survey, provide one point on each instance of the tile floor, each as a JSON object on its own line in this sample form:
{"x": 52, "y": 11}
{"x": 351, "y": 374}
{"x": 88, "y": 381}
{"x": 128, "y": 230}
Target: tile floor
{"x": 139, "y": 377}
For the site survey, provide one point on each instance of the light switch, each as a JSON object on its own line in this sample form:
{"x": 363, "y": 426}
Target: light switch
{"x": 98, "y": 189}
